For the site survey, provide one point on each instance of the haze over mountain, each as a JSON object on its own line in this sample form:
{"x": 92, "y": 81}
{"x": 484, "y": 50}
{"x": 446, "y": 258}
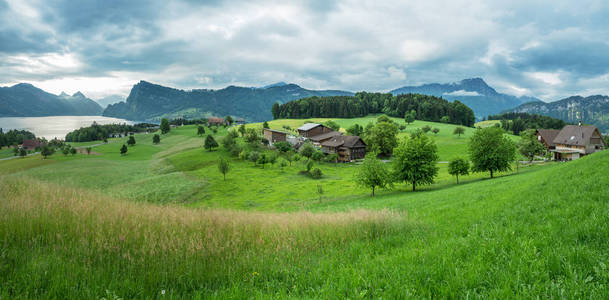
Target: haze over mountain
{"x": 148, "y": 101}
{"x": 105, "y": 101}
{"x": 590, "y": 110}
{"x": 474, "y": 92}
{"x": 26, "y": 100}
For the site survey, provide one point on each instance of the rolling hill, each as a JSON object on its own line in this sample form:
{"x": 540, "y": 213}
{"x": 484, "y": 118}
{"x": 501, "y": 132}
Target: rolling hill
{"x": 26, "y": 100}
{"x": 149, "y": 101}
{"x": 474, "y": 92}
{"x": 590, "y": 110}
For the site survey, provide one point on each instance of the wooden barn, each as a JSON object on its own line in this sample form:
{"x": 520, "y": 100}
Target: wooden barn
{"x": 274, "y": 136}
{"x": 348, "y": 147}
{"x": 312, "y": 129}
{"x": 318, "y": 139}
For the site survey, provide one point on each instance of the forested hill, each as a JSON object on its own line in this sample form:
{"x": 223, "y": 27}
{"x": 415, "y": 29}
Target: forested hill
{"x": 590, "y": 110}
{"x": 149, "y": 101}
{"x": 26, "y": 100}
{"x": 426, "y": 108}
{"x": 473, "y": 92}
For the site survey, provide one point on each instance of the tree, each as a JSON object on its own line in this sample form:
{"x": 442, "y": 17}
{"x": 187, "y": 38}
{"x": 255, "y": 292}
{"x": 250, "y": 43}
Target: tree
{"x": 242, "y": 130}
{"x": 265, "y": 125}
{"x": 200, "y": 130}
{"x": 283, "y": 147}
{"x": 105, "y": 140}
{"x": 415, "y": 160}
{"x": 210, "y": 143}
{"x": 317, "y": 156}
{"x": 262, "y": 160}
{"x": 123, "y": 150}
{"x": 491, "y": 151}
{"x": 320, "y": 191}
{"x": 529, "y": 146}
{"x": 156, "y": 139}
{"x": 426, "y": 128}
{"x": 459, "y": 130}
{"x": 435, "y": 130}
{"x": 253, "y": 156}
{"x": 223, "y": 166}
{"x": 229, "y": 120}
{"x": 228, "y": 142}
{"x": 252, "y": 137}
{"x": 458, "y": 166}
{"x": 47, "y": 151}
{"x": 332, "y": 157}
{"x": 66, "y": 150}
{"x": 333, "y": 125}
{"x": 383, "y": 137}
{"x": 409, "y": 116}
{"x": 72, "y": 150}
{"x": 131, "y": 141}
{"x": 23, "y": 152}
{"x": 355, "y": 129}
{"x": 316, "y": 173}
{"x": 165, "y": 126}
{"x": 88, "y": 149}
{"x": 272, "y": 158}
{"x": 445, "y": 119}
{"x": 307, "y": 150}
{"x": 372, "y": 173}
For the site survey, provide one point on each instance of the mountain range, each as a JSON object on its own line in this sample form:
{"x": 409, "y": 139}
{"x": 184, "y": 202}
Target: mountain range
{"x": 590, "y": 110}
{"x": 473, "y": 92}
{"x": 26, "y": 100}
{"x": 105, "y": 101}
{"x": 148, "y": 101}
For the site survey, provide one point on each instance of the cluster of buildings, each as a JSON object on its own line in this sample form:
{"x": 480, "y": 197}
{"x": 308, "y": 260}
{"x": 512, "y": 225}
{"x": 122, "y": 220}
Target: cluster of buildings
{"x": 348, "y": 147}
{"x": 572, "y": 142}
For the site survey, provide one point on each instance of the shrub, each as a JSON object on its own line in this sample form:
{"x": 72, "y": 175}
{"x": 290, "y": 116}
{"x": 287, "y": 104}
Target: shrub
{"x": 317, "y": 156}
{"x": 316, "y": 173}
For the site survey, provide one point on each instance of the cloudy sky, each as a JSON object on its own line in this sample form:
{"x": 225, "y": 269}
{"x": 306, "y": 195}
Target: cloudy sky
{"x": 548, "y": 49}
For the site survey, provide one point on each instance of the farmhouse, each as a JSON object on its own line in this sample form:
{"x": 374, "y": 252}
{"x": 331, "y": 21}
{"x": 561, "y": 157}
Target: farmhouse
{"x": 216, "y": 121}
{"x": 312, "y": 129}
{"x": 347, "y": 147}
{"x": 31, "y": 144}
{"x": 575, "y": 141}
{"x": 318, "y": 139}
{"x": 546, "y": 137}
{"x": 274, "y": 136}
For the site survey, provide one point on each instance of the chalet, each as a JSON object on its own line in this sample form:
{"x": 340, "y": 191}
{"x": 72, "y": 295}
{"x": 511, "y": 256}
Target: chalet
{"x": 347, "y": 147}
{"x": 575, "y": 141}
{"x": 546, "y": 137}
{"x": 274, "y": 136}
{"x": 216, "y": 121}
{"x": 31, "y": 144}
{"x": 312, "y": 129}
{"x": 319, "y": 139}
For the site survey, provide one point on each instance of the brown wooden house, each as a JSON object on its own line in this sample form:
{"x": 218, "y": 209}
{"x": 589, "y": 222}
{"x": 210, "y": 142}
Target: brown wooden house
{"x": 274, "y": 136}
{"x": 348, "y": 147}
{"x": 575, "y": 141}
{"x": 312, "y": 129}
{"x": 31, "y": 144}
{"x": 318, "y": 139}
{"x": 216, "y": 121}
{"x": 546, "y": 137}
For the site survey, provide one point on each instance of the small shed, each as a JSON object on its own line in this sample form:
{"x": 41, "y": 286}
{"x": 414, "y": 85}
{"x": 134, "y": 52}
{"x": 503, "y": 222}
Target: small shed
{"x": 274, "y": 136}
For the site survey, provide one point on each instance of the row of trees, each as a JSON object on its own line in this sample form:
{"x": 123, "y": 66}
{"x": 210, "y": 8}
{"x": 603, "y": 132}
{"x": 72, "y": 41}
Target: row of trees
{"x": 97, "y": 132}
{"x": 14, "y": 137}
{"x": 518, "y": 122}
{"x": 410, "y": 106}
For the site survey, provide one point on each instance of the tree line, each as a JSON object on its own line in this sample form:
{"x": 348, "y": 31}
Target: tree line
{"x": 14, "y": 137}
{"x": 518, "y": 122}
{"x": 97, "y": 132}
{"x": 427, "y": 108}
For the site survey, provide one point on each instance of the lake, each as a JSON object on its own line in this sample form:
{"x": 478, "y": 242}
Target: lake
{"x": 56, "y": 126}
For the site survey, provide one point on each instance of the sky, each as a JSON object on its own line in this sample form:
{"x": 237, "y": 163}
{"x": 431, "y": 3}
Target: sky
{"x": 546, "y": 49}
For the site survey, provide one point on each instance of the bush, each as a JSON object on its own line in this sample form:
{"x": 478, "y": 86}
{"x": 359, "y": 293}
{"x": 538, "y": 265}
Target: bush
{"x": 316, "y": 173}
{"x": 317, "y": 156}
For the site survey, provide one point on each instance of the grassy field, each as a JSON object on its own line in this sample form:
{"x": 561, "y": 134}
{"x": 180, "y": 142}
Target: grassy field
{"x": 161, "y": 222}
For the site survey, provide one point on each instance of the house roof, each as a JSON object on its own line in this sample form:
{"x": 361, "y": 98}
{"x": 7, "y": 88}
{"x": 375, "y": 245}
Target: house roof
{"x": 348, "y": 141}
{"x": 325, "y": 136}
{"x": 548, "y": 135}
{"x": 215, "y": 120}
{"x": 275, "y": 131}
{"x": 308, "y": 126}
{"x": 575, "y": 135}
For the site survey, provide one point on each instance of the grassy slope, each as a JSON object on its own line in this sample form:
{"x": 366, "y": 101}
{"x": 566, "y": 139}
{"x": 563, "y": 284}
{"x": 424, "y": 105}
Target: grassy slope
{"x": 543, "y": 233}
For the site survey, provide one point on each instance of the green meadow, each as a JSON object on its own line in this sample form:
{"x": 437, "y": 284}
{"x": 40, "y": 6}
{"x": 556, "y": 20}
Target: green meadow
{"x": 161, "y": 222}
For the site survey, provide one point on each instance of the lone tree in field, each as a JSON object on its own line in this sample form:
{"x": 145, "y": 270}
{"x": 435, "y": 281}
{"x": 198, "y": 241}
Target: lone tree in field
{"x": 131, "y": 141}
{"x": 265, "y": 125}
{"x": 210, "y": 143}
{"x": 223, "y": 166}
{"x": 200, "y": 130}
{"x": 490, "y": 150}
{"x": 459, "y": 131}
{"x": 435, "y": 130}
{"x": 88, "y": 149}
{"x": 72, "y": 150}
{"x": 372, "y": 173}
{"x": 123, "y": 149}
{"x": 415, "y": 160}
{"x": 458, "y": 166}
{"x": 47, "y": 151}
{"x": 165, "y": 126}
{"x": 156, "y": 139}
{"x": 229, "y": 120}
{"x": 529, "y": 146}
{"x": 426, "y": 128}
{"x": 65, "y": 150}
{"x": 409, "y": 116}
{"x": 382, "y": 137}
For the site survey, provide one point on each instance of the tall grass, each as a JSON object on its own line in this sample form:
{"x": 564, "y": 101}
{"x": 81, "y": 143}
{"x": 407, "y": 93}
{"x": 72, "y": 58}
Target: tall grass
{"x": 69, "y": 243}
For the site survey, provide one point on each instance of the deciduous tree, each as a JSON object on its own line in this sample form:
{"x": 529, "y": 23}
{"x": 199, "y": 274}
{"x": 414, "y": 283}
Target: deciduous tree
{"x": 415, "y": 160}
{"x": 223, "y": 166}
{"x": 458, "y": 166}
{"x": 490, "y": 150}
{"x": 459, "y": 131}
{"x": 372, "y": 173}
{"x": 210, "y": 143}
{"x": 165, "y": 128}
{"x": 156, "y": 139}
{"x": 529, "y": 146}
